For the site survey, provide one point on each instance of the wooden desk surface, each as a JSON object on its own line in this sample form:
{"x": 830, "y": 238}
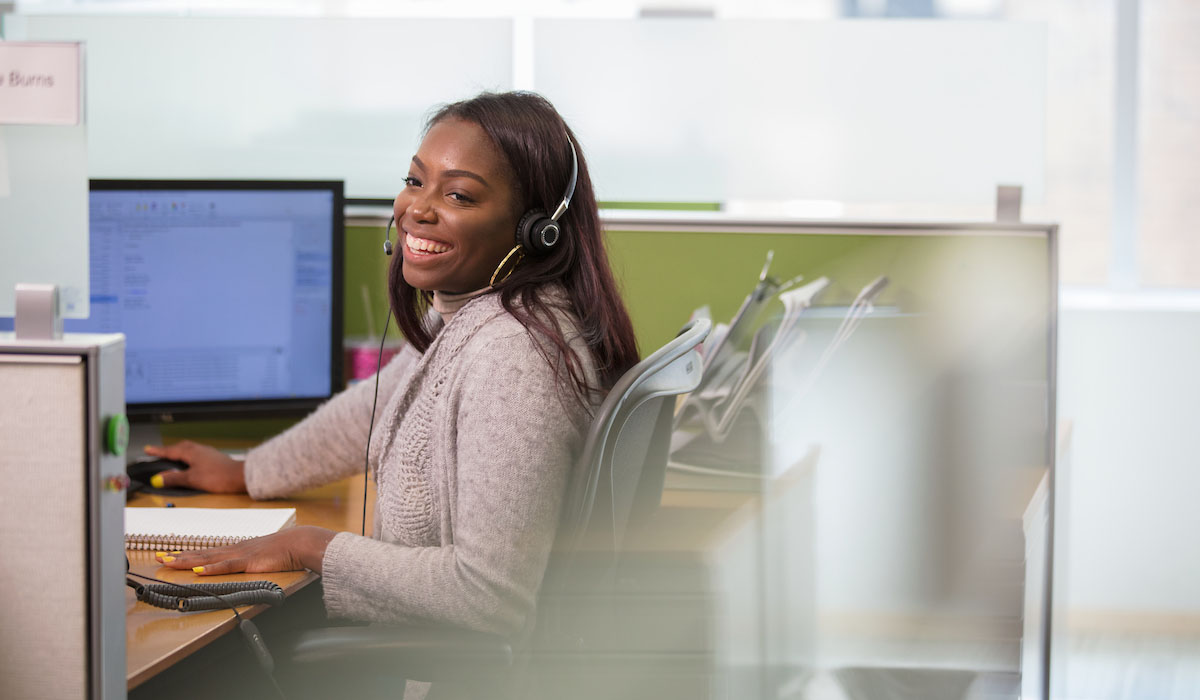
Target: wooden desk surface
{"x": 156, "y": 638}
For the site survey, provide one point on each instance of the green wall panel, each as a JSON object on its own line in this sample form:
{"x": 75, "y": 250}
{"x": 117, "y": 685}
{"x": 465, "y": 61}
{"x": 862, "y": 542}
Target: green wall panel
{"x": 664, "y": 276}
{"x": 366, "y": 273}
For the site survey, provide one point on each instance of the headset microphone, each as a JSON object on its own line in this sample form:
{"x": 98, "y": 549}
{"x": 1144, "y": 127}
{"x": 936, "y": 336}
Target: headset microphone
{"x": 387, "y": 236}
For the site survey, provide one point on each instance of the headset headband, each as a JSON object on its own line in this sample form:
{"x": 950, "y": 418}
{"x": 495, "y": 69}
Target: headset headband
{"x": 566, "y": 200}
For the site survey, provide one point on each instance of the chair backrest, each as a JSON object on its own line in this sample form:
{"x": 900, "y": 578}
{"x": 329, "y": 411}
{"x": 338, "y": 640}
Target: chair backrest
{"x": 619, "y": 477}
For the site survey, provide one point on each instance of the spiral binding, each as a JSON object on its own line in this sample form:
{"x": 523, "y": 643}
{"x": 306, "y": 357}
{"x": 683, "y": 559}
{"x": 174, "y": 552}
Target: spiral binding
{"x": 173, "y": 541}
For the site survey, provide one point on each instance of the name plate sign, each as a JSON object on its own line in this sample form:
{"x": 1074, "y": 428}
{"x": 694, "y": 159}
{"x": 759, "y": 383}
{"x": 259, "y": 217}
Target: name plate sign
{"x": 40, "y": 83}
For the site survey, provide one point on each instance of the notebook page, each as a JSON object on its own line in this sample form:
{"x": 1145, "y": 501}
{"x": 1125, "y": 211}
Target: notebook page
{"x": 234, "y": 523}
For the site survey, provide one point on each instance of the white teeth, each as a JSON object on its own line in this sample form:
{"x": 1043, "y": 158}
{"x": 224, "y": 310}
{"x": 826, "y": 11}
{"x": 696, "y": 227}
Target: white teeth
{"x": 424, "y": 244}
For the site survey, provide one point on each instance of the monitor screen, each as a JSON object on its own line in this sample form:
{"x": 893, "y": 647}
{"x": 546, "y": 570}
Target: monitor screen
{"x": 228, "y": 293}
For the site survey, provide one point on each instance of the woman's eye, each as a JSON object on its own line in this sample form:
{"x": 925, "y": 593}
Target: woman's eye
{"x": 411, "y": 181}
{"x": 460, "y": 197}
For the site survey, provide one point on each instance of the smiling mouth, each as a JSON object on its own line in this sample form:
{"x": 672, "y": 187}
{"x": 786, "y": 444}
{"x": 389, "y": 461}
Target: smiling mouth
{"x": 424, "y": 246}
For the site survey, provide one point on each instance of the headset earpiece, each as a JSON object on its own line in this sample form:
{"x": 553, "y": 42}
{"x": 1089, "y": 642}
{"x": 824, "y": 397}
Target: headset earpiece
{"x": 538, "y": 233}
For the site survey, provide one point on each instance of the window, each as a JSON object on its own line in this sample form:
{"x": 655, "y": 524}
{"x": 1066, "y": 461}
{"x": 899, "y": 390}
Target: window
{"x": 1122, "y": 106}
{"x": 1168, "y": 195}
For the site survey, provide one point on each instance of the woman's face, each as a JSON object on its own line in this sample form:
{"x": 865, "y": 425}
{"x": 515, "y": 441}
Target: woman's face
{"x": 456, "y": 216}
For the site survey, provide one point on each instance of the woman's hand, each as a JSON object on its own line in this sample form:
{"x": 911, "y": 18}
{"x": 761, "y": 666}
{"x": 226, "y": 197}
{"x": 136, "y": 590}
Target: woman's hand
{"x": 209, "y": 469}
{"x": 289, "y": 550}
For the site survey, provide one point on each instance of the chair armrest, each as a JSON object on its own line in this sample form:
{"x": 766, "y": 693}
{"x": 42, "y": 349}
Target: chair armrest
{"x": 415, "y": 653}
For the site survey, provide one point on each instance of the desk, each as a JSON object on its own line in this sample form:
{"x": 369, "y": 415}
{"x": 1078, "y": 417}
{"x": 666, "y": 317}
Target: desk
{"x": 156, "y": 639}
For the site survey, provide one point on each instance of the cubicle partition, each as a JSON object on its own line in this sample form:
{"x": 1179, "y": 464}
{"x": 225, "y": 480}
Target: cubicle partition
{"x": 890, "y": 418}
{"x": 878, "y": 516}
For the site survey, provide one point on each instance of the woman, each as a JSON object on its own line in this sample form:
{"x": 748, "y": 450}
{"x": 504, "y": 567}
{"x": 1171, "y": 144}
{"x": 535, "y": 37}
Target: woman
{"x": 484, "y": 411}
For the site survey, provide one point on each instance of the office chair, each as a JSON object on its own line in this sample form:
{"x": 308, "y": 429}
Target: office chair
{"x": 617, "y": 483}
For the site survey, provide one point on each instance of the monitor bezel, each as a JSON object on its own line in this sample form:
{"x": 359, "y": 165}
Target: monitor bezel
{"x": 170, "y": 412}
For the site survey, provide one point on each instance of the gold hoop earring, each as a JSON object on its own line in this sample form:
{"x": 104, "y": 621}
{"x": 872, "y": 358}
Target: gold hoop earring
{"x": 520, "y": 256}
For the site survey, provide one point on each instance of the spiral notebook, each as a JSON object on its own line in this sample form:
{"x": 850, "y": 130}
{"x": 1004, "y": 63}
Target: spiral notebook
{"x": 196, "y": 528}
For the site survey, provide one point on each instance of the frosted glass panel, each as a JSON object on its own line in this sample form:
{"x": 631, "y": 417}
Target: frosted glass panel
{"x": 43, "y": 213}
{"x": 899, "y": 404}
{"x": 201, "y": 97}
{"x": 707, "y": 110}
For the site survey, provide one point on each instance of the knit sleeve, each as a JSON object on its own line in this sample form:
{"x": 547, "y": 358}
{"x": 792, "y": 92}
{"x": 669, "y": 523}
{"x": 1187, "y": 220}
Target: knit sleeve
{"x": 513, "y": 437}
{"x": 329, "y": 444}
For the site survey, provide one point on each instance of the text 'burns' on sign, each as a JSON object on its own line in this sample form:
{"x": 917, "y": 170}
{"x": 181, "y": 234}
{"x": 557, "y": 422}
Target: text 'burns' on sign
{"x": 40, "y": 83}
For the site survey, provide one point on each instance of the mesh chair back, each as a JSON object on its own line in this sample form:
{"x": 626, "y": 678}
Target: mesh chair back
{"x": 619, "y": 477}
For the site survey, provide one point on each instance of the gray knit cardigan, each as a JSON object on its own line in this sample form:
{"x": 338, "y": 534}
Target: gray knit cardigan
{"x": 471, "y": 452}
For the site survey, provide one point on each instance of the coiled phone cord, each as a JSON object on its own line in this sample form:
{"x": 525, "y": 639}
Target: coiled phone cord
{"x": 208, "y": 596}
{"x": 249, "y": 630}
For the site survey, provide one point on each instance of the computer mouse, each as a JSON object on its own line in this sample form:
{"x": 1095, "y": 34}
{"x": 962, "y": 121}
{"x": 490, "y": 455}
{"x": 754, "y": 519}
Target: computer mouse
{"x": 139, "y": 474}
{"x": 142, "y": 470}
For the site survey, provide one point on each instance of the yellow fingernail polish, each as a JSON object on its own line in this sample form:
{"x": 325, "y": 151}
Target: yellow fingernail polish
{"x": 198, "y": 569}
{"x": 160, "y": 554}
{"x": 156, "y": 481}
{"x": 168, "y": 558}
{"x": 178, "y": 551}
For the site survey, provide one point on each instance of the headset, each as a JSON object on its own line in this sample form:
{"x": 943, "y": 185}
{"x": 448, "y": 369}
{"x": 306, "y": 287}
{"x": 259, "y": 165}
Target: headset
{"x": 537, "y": 234}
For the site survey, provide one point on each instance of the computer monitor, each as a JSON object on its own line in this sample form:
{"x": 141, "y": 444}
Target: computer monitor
{"x": 229, "y": 293}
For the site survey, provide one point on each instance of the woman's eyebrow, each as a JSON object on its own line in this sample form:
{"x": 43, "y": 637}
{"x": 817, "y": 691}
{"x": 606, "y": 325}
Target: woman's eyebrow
{"x": 455, "y": 173}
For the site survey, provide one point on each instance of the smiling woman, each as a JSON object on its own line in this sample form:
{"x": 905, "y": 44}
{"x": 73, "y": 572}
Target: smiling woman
{"x": 485, "y": 409}
{"x": 487, "y": 167}
{"x": 457, "y": 212}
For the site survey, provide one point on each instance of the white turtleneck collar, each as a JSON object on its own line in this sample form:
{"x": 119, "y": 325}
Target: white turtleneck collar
{"x": 446, "y": 304}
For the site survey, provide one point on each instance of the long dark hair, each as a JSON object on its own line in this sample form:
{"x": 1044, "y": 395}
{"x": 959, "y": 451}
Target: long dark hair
{"x": 532, "y": 136}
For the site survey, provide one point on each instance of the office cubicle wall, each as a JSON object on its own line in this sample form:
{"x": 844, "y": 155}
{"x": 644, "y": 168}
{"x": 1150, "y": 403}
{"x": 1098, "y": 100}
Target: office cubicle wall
{"x": 889, "y": 532}
{"x": 916, "y": 442}
{"x": 62, "y": 593}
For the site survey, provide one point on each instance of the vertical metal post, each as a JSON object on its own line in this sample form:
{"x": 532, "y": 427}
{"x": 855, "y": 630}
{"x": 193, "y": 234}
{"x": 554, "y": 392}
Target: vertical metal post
{"x": 1051, "y": 455}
